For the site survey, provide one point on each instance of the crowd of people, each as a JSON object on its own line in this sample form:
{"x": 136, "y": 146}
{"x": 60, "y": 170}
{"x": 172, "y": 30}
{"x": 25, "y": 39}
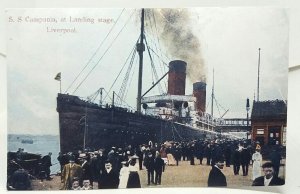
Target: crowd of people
{"x": 110, "y": 169}
{"x": 118, "y": 167}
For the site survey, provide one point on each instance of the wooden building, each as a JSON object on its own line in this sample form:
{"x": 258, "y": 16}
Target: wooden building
{"x": 268, "y": 122}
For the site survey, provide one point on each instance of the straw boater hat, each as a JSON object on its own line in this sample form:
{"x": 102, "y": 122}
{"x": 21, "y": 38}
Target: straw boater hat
{"x": 134, "y": 157}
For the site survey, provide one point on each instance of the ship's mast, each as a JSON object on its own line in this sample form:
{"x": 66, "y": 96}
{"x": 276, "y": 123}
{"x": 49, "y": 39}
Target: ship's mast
{"x": 101, "y": 92}
{"x": 212, "y": 95}
{"x": 85, "y": 127}
{"x": 140, "y": 49}
{"x": 258, "y": 74}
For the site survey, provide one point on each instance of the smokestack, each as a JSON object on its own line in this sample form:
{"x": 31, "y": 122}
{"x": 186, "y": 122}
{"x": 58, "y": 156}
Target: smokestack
{"x": 177, "y": 75}
{"x": 199, "y": 91}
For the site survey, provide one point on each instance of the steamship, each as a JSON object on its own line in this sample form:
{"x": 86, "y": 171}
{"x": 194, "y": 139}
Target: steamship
{"x": 172, "y": 116}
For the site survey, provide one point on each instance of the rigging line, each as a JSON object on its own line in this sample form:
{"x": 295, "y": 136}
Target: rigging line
{"x": 160, "y": 65}
{"x": 173, "y": 134}
{"x": 158, "y": 38}
{"x": 104, "y": 52}
{"x": 172, "y": 128}
{"x": 154, "y": 33}
{"x": 160, "y": 62}
{"x": 21, "y": 167}
{"x": 153, "y": 67}
{"x": 161, "y": 58}
{"x": 177, "y": 131}
{"x": 97, "y": 93}
{"x": 120, "y": 70}
{"x": 131, "y": 78}
{"x": 122, "y": 101}
{"x": 164, "y": 63}
{"x": 154, "y": 43}
{"x": 133, "y": 51}
{"x": 218, "y": 103}
{"x": 125, "y": 81}
{"x": 218, "y": 108}
{"x": 95, "y": 51}
{"x": 162, "y": 68}
{"x": 151, "y": 61}
{"x": 152, "y": 75}
{"x": 107, "y": 95}
{"x": 208, "y": 103}
{"x": 94, "y": 95}
{"x": 130, "y": 81}
{"x": 151, "y": 27}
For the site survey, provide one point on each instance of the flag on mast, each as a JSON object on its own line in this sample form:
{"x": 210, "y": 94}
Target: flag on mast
{"x": 58, "y": 76}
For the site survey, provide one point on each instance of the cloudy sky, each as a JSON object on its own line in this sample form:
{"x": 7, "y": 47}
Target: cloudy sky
{"x": 229, "y": 39}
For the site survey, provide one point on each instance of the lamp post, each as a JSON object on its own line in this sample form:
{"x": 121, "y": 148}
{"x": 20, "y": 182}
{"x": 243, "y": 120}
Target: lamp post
{"x": 247, "y": 109}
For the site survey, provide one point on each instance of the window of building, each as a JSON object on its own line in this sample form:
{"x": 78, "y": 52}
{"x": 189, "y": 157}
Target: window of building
{"x": 260, "y": 131}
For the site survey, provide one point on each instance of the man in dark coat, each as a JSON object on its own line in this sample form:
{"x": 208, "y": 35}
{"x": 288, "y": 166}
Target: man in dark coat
{"x": 245, "y": 160}
{"x": 140, "y": 154}
{"x": 191, "y": 154}
{"x": 113, "y": 157}
{"x": 216, "y": 178}
{"x": 109, "y": 178}
{"x": 184, "y": 151}
{"x": 98, "y": 167}
{"x": 159, "y": 168}
{"x": 86, "y": 170}
{"x": 200, "y": 151}
{"x": 149, "y": 164}
{"x": 236, "y": 161}
{"x": 208, "y": 154}
{"x": 63, "y": 160}
{"x": 46, "y": 163}
{"x": 269, "y": 179}
{"x": 275, "y": 158}
{"x": 177, "y": 154}
{"x": 227, "y": 155}
{"x": 216, "y": 154}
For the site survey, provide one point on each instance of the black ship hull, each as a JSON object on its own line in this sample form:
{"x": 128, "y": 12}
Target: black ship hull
{"x": 87, "y": 125}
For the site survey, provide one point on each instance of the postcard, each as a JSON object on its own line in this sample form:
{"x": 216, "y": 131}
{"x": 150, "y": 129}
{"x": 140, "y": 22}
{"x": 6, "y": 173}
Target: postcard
{"x": 122, "y": 98}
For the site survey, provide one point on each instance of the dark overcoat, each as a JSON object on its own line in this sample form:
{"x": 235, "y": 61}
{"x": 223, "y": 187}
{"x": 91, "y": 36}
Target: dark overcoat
{"x": 133, "y": 180}
{"x": 275, "y": 181}
{"x": 216, "y": 178}
{"x": 109, "y": 180}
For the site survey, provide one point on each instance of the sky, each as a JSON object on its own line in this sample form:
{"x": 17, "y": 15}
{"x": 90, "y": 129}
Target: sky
{"x": 229, "y": 39}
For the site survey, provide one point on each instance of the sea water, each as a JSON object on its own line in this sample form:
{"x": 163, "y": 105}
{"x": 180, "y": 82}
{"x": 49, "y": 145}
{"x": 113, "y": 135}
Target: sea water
{"x": 42, "y": 145}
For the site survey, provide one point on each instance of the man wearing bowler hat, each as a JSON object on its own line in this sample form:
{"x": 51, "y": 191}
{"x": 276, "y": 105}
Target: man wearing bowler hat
{"x": 149, "y": 164}
{"x": 70, "y": 171}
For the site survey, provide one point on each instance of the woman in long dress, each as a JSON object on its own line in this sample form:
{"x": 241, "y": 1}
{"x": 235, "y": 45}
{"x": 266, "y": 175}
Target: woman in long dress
{"x": 124, "y": 174}
{"x": 257, "y": 161}
{"x": 133, "y": 178}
